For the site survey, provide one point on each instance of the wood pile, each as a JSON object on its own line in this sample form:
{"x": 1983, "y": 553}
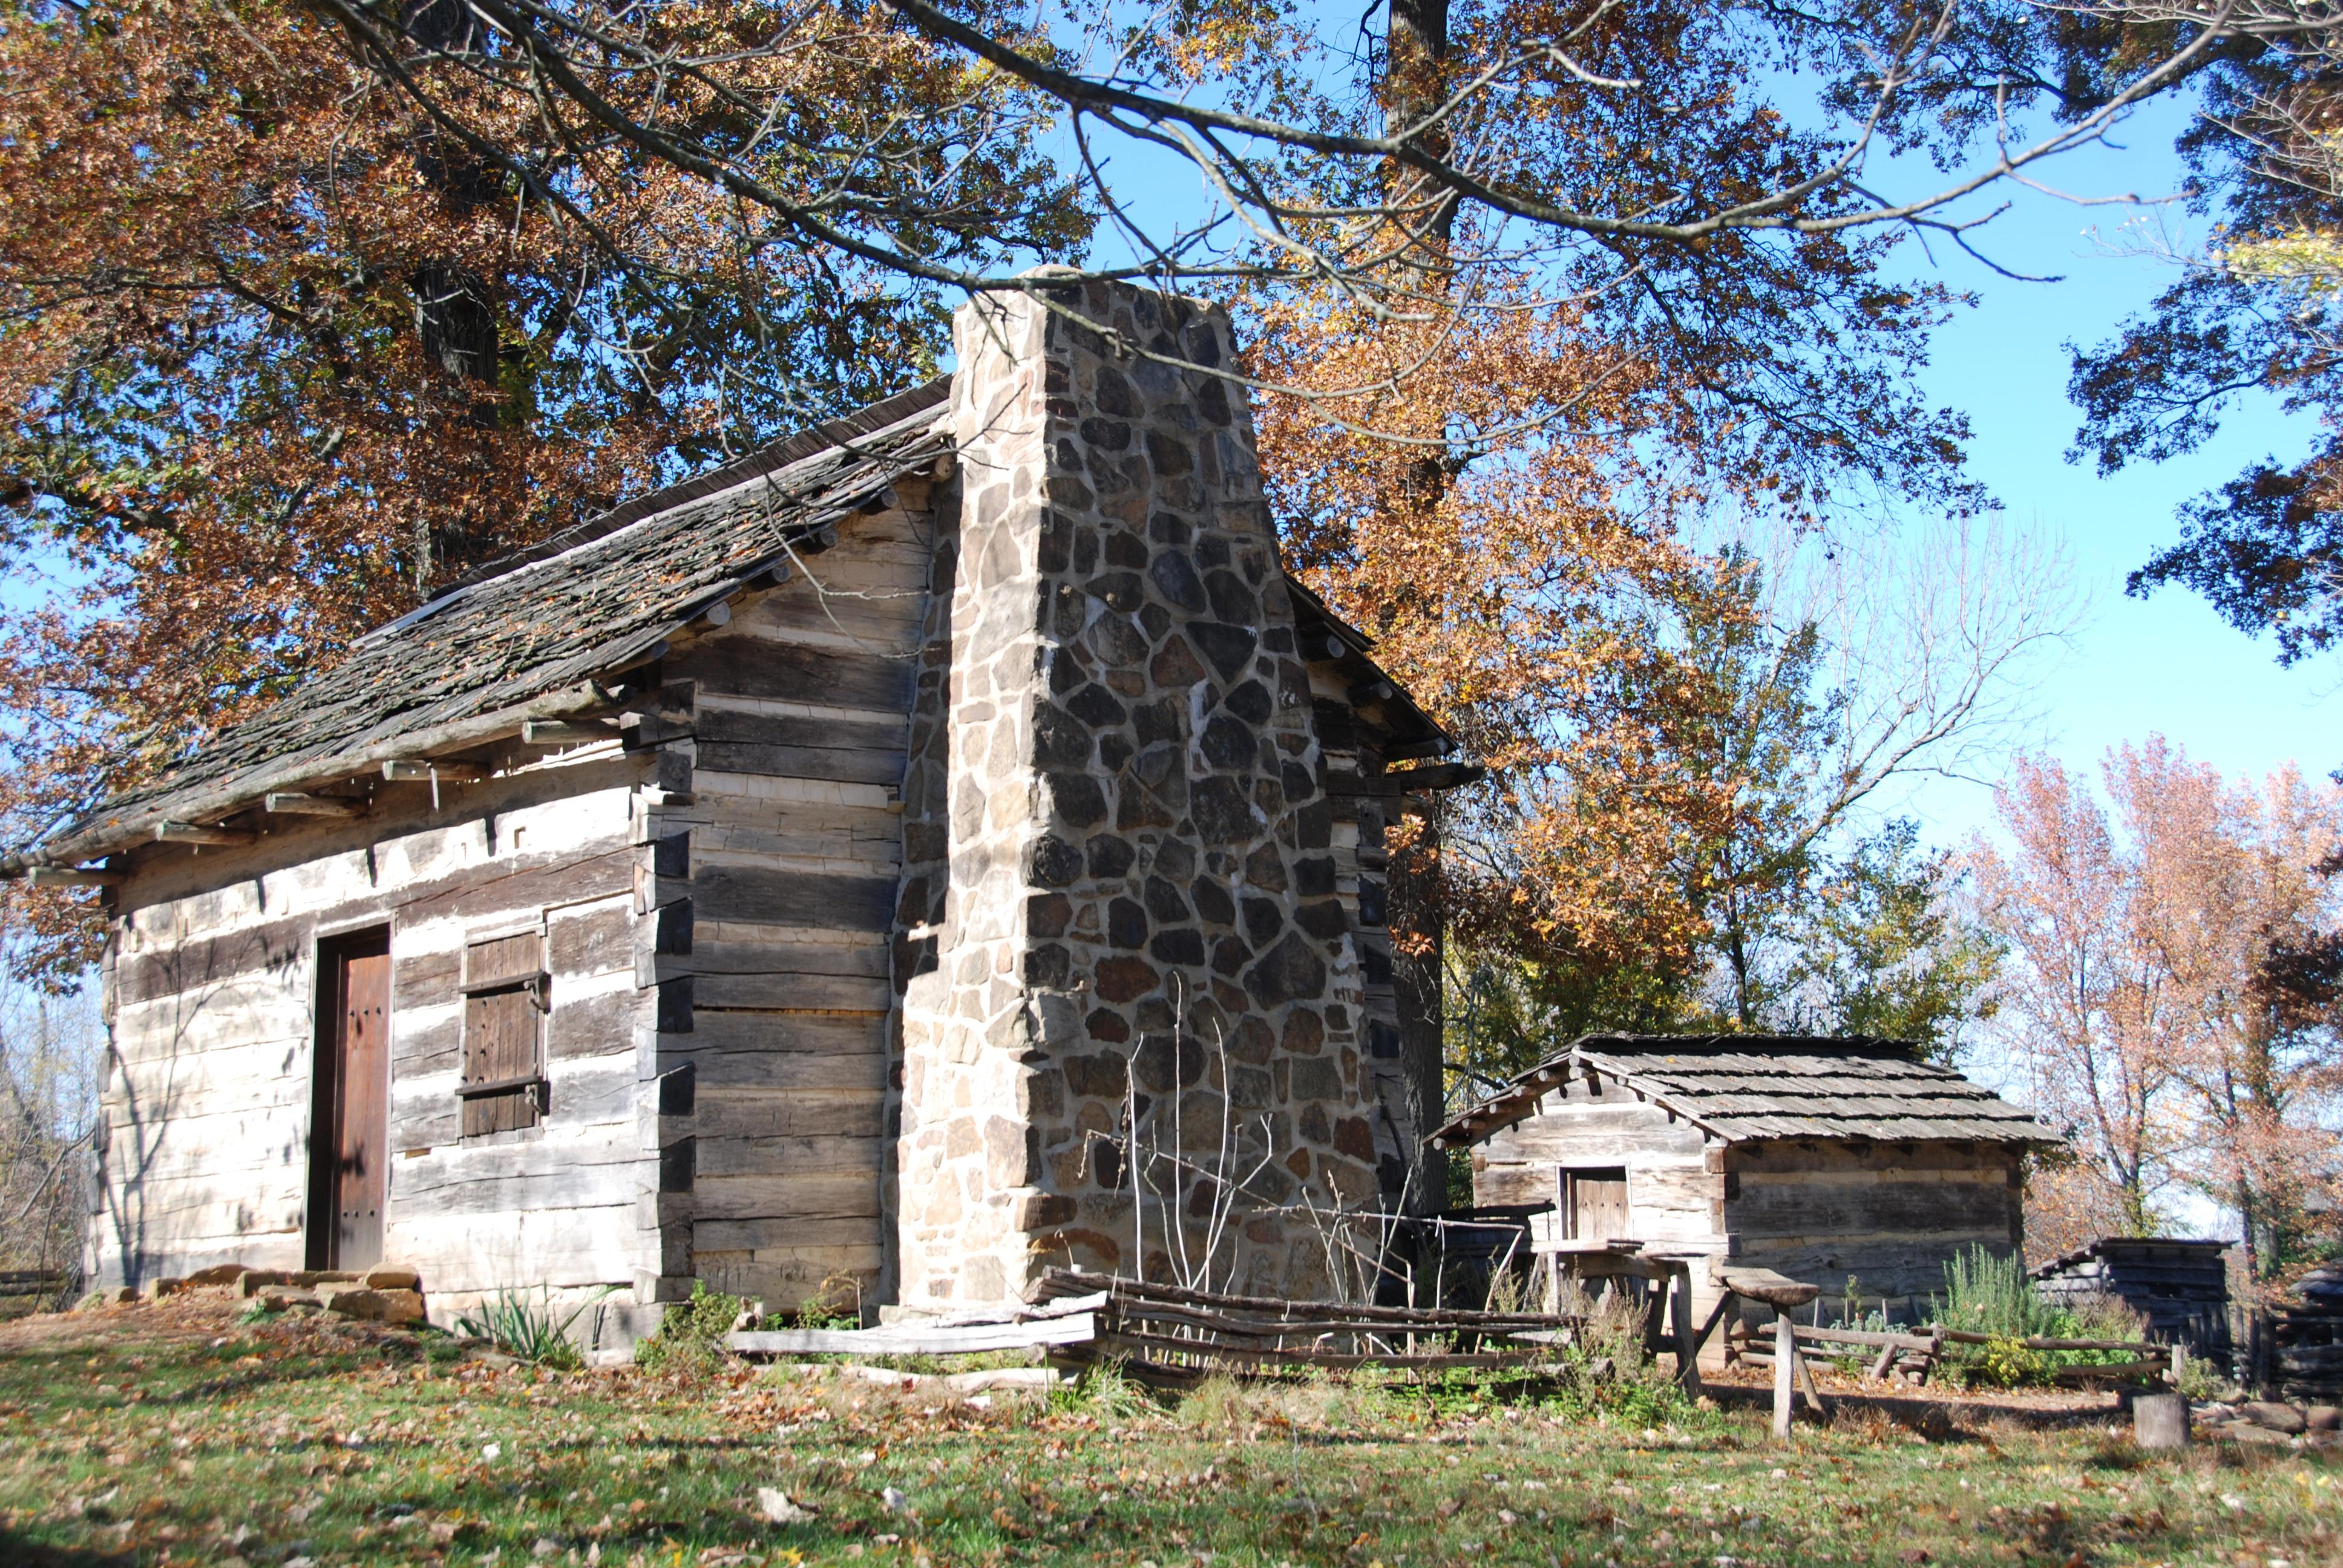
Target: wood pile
{"x": 2180, "y": 1287}
{"x": 2304, "y": 1338}
{"x": 1169, "y": 1334}
{"x": 24, "y": 1292}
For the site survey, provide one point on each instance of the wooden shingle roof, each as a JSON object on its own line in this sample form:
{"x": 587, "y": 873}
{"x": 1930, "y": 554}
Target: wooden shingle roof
{"x": 512, "y": 640}
{"x": 1741, "y": 1088}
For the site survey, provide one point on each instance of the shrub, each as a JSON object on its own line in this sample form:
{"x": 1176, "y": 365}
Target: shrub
{"x": 1988, "y": 1295}
{"x": 2005, "y": 1363}
{"x": 1985, "y": 1294}
{"x": 690, "y": 1337}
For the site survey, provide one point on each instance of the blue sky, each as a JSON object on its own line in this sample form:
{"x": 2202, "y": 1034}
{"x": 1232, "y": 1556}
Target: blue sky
{"x": 2166, "y": 663}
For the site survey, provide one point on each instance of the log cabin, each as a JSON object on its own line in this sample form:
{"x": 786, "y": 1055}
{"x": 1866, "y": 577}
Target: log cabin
{"x": 799, "y": 879}
{"x": 1827, "y": 1161}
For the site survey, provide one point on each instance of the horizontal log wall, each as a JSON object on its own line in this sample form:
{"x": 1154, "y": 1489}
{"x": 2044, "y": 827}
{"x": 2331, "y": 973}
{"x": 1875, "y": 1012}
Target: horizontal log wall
{"x": 212, "y": 987}
{"x": 1891, "y": 1216}
{"x": 777, "y": 1002}
{"x": 1676, "y": 1187}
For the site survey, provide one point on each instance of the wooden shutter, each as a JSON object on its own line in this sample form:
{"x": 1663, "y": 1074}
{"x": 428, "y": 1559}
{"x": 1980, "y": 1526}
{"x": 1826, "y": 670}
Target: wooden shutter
{"x": 504, "y": 996}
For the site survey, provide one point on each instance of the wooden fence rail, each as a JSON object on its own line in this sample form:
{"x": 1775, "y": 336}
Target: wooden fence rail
{"x": 1915, "y": 1354}
{"x": 1171, "y": 1334}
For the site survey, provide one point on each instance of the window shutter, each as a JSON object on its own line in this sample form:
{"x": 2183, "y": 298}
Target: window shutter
{"x": 504, "y": 999}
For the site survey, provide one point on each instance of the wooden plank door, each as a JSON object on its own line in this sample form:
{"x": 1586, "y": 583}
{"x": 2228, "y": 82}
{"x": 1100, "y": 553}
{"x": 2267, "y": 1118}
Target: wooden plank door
{"x": 1597, "y": 1202}
{"x": 350, "y": 1147}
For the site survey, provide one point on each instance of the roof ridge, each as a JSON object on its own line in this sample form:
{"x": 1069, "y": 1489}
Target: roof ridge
{"x": 767, "y": 462}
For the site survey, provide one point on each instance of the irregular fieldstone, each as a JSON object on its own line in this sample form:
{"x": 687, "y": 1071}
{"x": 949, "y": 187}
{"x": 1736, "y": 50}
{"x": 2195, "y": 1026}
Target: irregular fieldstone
{"x": 1110, "y": 858}
{"x": 1316, "y": 1078}
{"x": 1049, "y": 966}
{"x": 1214, "y": 905}
{"x": 1291, "y": 971}
{"x": 385, "y": 1306}
{"x": 1324, "y": 918}
{"x": 1118, "y": 590}
{"x": 1227, "y": 743}
{"x": 1263, "y": 919}
{"x": 1177, "y": 946}
{"x": 1176, "y": 579}
{"x": 392, "y": 1277}
{"x": 1234, "y": 603}
{"x": 1222, "y": 810}
{"x": 1052, "y": 862}
{"x": 1060, "y": 741}
{"x": 217, "y": 1274}
{"x": 1247, "y": 702}
{"x": 1266, "y": 870}
{"x": 1048, "y": 915}
{"x": 1164, "y": 904}
{"x": 1079, "y": 799}
{"x": 1175, "y": 666}
{"x": 1101, "y": 1076}
{"x": 1226, "y": 647}
{"x": 1126, "y": 980}
{"x": 1095, "y": 706}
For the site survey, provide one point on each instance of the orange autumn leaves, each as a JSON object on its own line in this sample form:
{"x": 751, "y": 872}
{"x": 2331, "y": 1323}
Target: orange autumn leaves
{"x": 2172, "y": 991}
{"x": 284, "y": 349}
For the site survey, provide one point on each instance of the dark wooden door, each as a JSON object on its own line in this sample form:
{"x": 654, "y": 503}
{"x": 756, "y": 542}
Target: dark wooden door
{"x": 349, "y": 1149}
{"x": 1596, "y": 1201}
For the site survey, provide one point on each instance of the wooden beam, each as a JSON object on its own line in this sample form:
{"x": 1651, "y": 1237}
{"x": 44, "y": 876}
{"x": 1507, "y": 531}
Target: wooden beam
{"x": 1785, "y": 1355}
{"x": 197, "y": 833}
{"x": 308, "y": 772}
{"x": 564, "y": 732}
{"x": 914, "y": 1340}
{"x": 1370, "y": 691}
{"x": 293, "y": 803}
{"x": 71, "y": 877}
{"x": 424, "y": 771}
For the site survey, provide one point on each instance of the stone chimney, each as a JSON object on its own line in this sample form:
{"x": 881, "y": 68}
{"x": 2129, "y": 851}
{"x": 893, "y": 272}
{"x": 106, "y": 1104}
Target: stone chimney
{"x": 1119, "y": 890}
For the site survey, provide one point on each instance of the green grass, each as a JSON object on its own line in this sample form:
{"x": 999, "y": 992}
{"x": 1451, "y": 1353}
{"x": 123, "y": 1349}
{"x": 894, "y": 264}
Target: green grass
{"x": 266, "y": 1441}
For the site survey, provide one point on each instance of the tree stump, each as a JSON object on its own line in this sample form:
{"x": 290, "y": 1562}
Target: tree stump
{"x": 2159, "y": 1422}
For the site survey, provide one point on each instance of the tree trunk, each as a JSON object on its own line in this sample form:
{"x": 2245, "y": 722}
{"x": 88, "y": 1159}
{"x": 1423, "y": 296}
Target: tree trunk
{"x": 1416, "y": 51}
{"x": 455, "y": 315}
{"x": 1412, "y": 908}
{"x": 1415, "y": 60}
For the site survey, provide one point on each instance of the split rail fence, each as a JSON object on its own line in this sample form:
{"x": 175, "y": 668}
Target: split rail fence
{"x": 1170, "y": 1334}
{"x": 1913, "y": 1357}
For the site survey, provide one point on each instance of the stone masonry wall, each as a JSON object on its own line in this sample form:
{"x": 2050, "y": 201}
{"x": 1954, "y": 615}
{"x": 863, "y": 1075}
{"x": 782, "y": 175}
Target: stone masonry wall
{"x": 1139, "y": 885}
